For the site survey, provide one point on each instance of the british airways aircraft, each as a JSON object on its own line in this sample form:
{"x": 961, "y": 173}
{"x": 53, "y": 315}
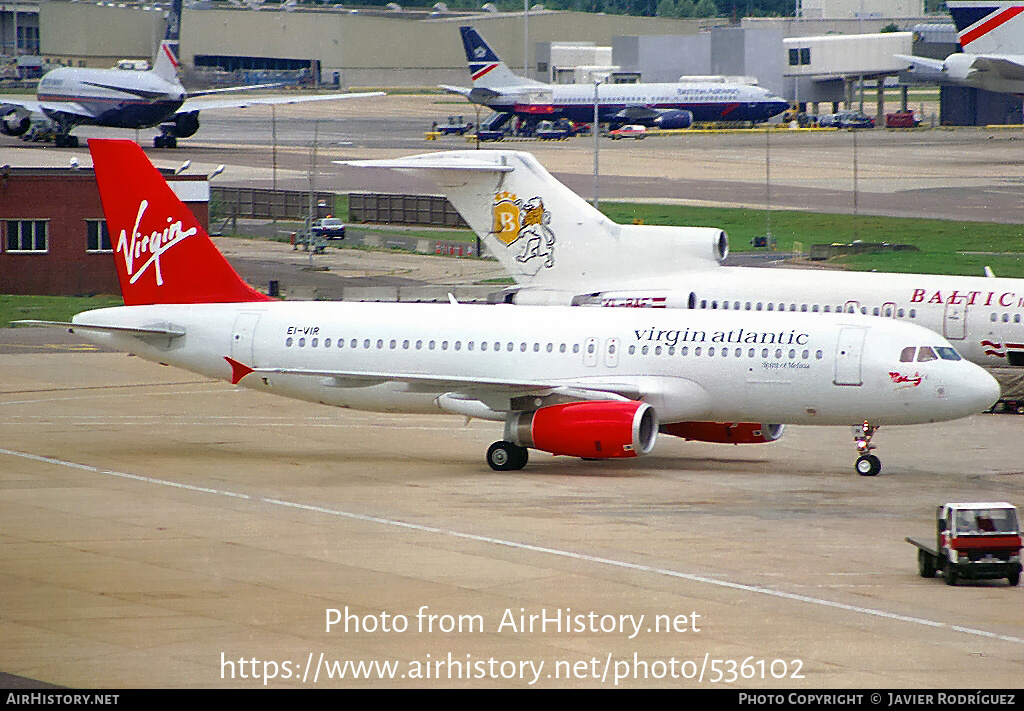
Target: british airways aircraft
{"x": 991, "y": 34}
{"x": 667, "y": 105}
{"x": 122, "y": 98}
{"x": 560, "y": 250}
{"x": 590, "y": 383}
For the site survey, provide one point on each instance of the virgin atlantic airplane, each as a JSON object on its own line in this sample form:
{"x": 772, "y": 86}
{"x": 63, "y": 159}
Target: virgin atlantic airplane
{"x": 590, "y": 383}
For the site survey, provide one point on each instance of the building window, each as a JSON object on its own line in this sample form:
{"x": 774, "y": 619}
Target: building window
{"x": 794, "y": 57}
{"x": 805, "y": 56}
{"x": 97, "y": 237}
{"x": 26, "y": 236}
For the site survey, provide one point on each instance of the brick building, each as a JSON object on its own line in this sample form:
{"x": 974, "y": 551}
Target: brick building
{"x": 53, "y": 238}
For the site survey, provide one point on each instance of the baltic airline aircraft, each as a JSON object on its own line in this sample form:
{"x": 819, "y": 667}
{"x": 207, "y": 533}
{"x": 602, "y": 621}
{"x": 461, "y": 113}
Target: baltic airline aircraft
{"x": 560, "y": 250}
{"x": 674, "y": 105}
{"x": 591, "y": 383}
{"x": 991, "y": 34}
{"x": 129, "y": 99}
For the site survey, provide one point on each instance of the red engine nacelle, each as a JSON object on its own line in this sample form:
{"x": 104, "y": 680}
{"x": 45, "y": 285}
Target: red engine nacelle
{"x": 601, "y": 429}
{"x": 725, "y": 432}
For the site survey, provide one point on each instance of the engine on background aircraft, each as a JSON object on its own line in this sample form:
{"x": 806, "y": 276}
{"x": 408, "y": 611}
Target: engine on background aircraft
{"x": 14, "y": 122}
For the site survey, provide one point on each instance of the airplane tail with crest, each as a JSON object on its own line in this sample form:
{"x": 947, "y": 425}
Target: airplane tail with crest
{"x": 544, "y": 234}
{"x": 989, "y": 27}
{"x": 163, "y": 255}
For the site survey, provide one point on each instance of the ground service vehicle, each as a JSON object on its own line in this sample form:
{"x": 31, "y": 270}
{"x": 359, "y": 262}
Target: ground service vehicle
{"x": 554, "y": 130}
{"x": 631, "y": 131}
{"x": 455, "y": 127}
{"x": 846, "y": 119}
{"x": 328, "y": 228}
{"x": 973, "y": 540}
{"x": 901, "y": 119}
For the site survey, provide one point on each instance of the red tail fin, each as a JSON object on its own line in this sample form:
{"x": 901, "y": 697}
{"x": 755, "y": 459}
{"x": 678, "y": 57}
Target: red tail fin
{"x": 163, "y": 255}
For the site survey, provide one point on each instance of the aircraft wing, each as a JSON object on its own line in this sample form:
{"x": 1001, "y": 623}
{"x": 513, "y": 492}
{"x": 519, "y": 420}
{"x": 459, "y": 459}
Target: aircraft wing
{"x": 203, "y": 103}
{"x": 13, "y": 102}
{"x": 36, "y": 107}
{"x": 1006, "y": 67}
{"x": 584, "y": 389}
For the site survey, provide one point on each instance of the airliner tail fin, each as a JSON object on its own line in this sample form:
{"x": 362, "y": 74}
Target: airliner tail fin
{"x": 543, "y": 233}
{"x": 163, "y": 254}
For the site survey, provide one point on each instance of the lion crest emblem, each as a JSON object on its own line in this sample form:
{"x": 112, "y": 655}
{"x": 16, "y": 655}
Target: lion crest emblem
{"x": 525, "y": 223}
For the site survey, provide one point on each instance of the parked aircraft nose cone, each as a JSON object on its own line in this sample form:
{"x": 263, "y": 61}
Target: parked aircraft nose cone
{"x": 979, "y": 390}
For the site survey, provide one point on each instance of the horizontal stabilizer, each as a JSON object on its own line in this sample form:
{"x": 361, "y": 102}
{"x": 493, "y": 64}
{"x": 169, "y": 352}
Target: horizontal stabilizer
{"x": 164, "y": 331}
{"x": 484, "y": 161}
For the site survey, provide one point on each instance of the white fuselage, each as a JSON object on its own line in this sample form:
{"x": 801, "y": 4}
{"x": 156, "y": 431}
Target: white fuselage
{"x": 707, "y": 101}
{"x": 982, "y": 317}
{"x": 111, "y": 97}
{"x": 688, "y": 365}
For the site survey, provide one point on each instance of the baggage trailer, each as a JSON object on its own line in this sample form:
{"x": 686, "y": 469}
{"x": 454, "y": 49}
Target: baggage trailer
{"x": 974, "y": 541}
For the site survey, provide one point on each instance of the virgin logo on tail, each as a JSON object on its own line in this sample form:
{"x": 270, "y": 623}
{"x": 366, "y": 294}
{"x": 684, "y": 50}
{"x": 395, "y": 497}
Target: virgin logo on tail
{"x": 153, "y": 245}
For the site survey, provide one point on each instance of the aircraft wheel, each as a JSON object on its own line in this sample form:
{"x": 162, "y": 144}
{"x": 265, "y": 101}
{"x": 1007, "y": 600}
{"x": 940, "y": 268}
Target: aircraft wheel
{"x": 868, "y": 465}
{"x": 925, "y": 565}
{"x": 506, "y": 456}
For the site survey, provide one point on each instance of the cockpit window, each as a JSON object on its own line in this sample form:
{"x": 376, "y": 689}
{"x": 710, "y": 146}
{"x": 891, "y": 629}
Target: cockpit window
{"x": 948, "y": 353}
{"x": 925, "y": 354}
{"x": 907, "y": 354}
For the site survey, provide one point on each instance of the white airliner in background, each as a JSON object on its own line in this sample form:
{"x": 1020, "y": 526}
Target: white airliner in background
{"x": 561, "y": 250}
{"x": 991, "y": 34}
{"x": 122, "y": 98}
{"x": 591, "y": 383}
{"x": 664, "y": 105}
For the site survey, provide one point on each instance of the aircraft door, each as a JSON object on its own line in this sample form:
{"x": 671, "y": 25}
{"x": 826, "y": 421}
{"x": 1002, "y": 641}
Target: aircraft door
{"x": 889, "y": 309}
{"x": 852, "y": 307}
{"x": 849, "y": 353}
{"x": 590, "y": 351}
{"x": 954, "y": 321}
{"x": 611, "y": 352}
{"x": 243, "y": 348}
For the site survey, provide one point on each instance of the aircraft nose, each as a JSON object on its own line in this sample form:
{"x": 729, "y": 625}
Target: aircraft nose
{"x": 980, "y": 390}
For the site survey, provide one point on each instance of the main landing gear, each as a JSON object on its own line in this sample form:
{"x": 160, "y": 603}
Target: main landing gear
{"x": 506, "y": 456}
{"x": 867, "y": 463}
{"x": 65, "y": 140}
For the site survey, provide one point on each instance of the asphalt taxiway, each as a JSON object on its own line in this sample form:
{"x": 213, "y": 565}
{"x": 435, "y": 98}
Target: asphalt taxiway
{"x": 161, "y": 530}
{"x": 963, "y": 174}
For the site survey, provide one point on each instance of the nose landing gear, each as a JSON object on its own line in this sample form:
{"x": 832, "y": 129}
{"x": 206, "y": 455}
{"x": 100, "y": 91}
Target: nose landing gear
{"x": 867, "y": 463}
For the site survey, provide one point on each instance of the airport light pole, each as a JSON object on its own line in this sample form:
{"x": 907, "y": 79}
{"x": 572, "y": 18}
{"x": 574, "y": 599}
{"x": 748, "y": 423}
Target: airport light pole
{"x": 597, "y": 144}
{"x": 526, "y": 37}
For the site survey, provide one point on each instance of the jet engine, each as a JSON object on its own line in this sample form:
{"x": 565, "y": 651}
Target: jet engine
{"x": 724, "y": 432}
{"x": 186, "y": 124}
{"x": 676, "y": 118}
{"x": 14, "y": 121}
{"x": 599, "y": 429}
